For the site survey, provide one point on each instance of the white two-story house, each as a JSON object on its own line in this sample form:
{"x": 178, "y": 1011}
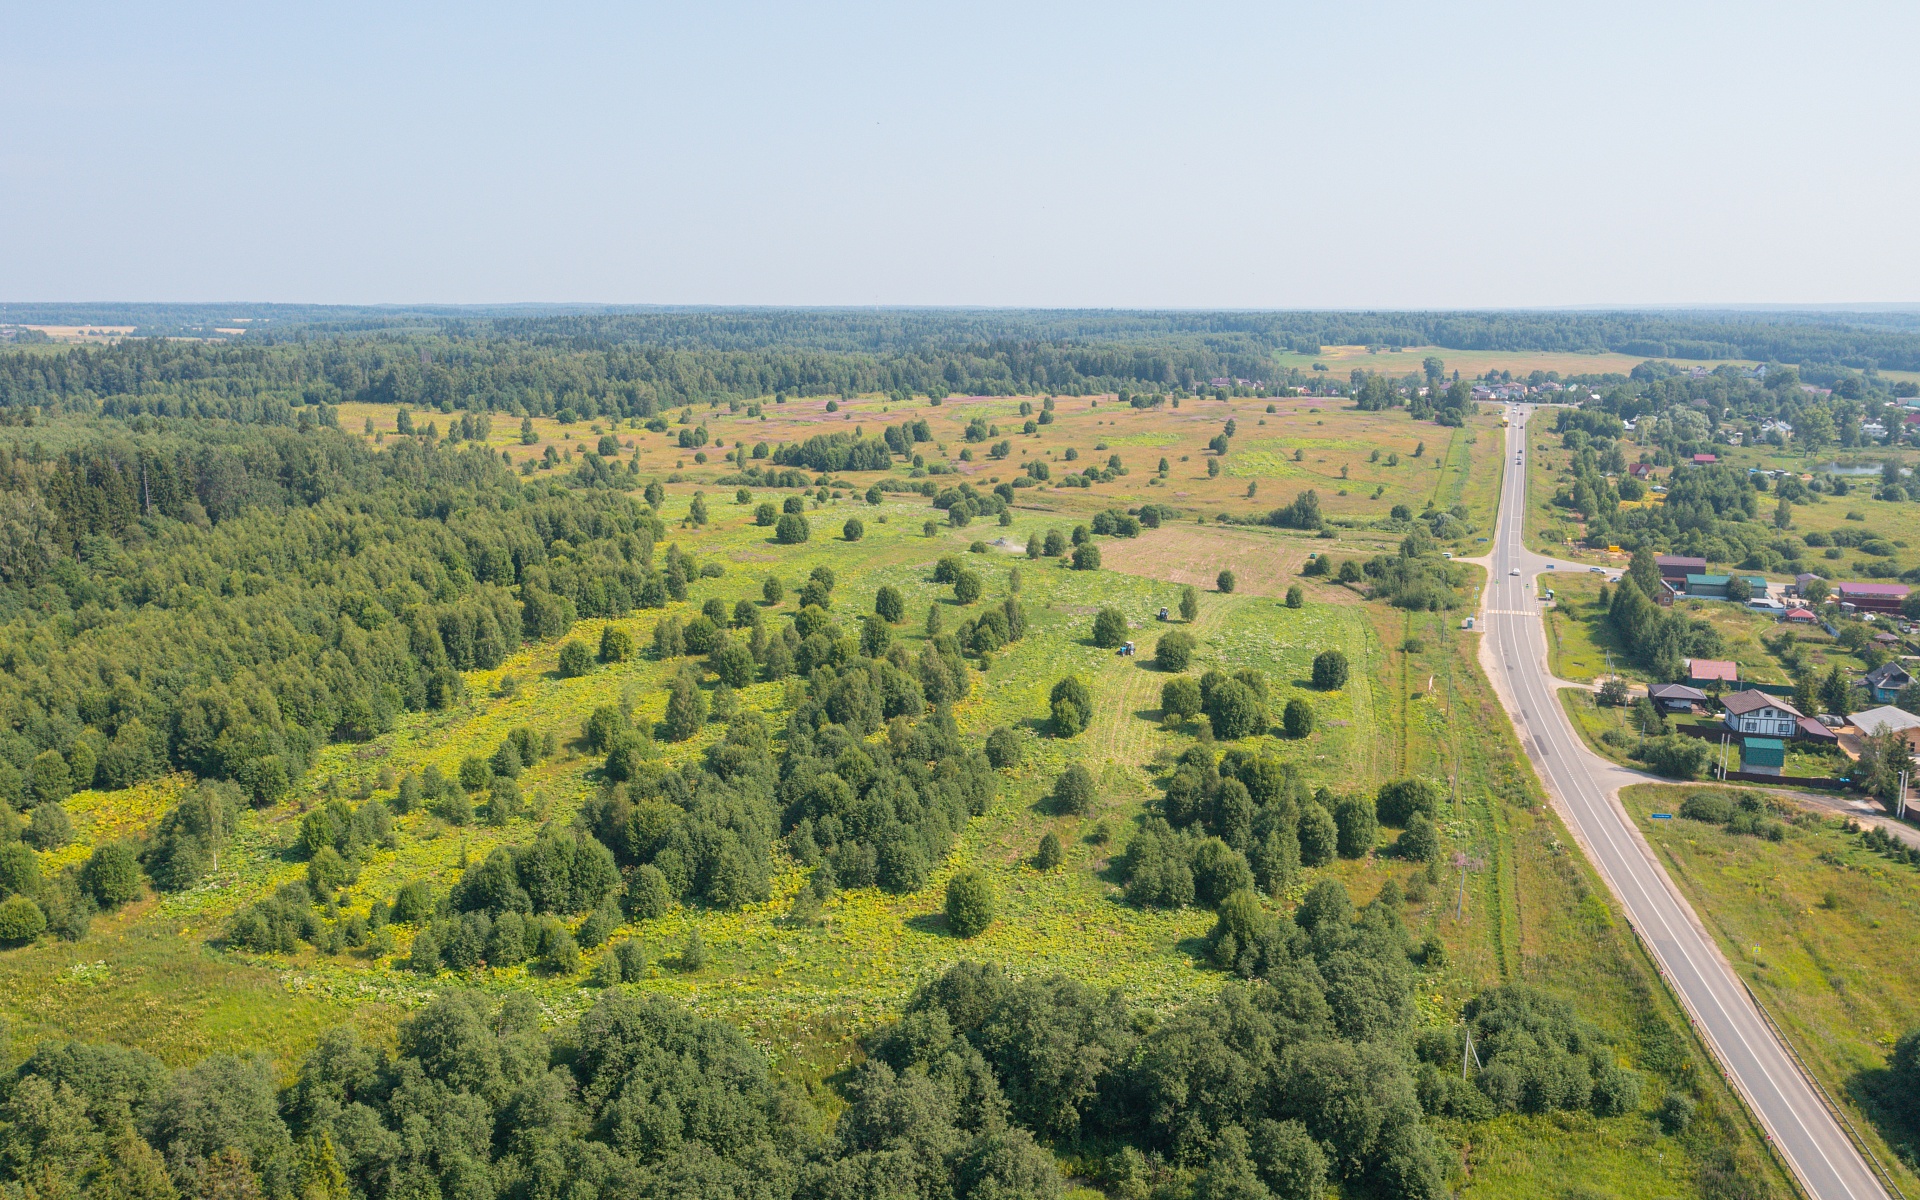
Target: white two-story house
{"x": 1760, "y": 715}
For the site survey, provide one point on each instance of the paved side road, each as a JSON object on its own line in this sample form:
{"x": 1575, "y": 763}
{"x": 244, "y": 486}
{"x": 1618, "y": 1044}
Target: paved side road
{"x": 1586, "y": 789}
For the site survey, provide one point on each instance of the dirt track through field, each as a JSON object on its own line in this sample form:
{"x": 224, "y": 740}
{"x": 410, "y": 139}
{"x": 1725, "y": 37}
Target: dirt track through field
{"x": 1127, "y": 687}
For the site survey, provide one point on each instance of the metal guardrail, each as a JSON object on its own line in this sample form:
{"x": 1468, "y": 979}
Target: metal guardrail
{"x": 1859, "y": 1143}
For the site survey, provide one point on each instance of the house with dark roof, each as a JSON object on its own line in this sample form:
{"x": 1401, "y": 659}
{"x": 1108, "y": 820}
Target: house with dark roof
{"x": 1707, "y": 587}
{"x": 1675, "y": 697}
{"x": 1886, "y": 681}
{"x": 1758, "y": 714}
{"x": 1677, "y": 567}
{"x": 1811, "y": 730}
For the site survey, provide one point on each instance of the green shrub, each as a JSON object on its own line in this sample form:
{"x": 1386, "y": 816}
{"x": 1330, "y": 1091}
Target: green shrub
{"x": 792, "y": 530}
{"x": 890, "y": 604}
{"x": 1071, "y": 707}
{"x": 1180, "y": 698}
{"x": 1110, "y": 629}
{"x": 1358, "y": 826}
{"x": 1709, "y": 807}
{"x": 970, "y": 904}
{"x": 21, "y": 921}
{"x": 1225, "y": 582}
{"x": 1420, "y": 841}
{"x": 1675, "y": 755}
{"x": 1074, "y": 791}
{"x": 49, "y": 828}
{"x": 1297, "y": 720}
{"x": 616, "y": 645}
{"x": 1174, "y": 651}
{"x": 1050, "y": 854}
{"x": 693, "y": 955}
{"x": 1330, "y": 670}
{"x": 575, "y": 659}
{"x": 648, "y": 893}
{"x": 1005, "y": 750}
{"x": 1398, "y": 799}
{"x": 111, "y": 875}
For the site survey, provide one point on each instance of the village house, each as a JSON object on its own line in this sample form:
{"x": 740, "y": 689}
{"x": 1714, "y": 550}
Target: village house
{"x": 1871, "y": 597}
{"x": 1886, "y": 681}
{"x": 1675, "y": 697}
{"x": 1753, "y": 712}
{"x": 1705, "y": 672}
{"x": 1676, "y": 567}
{"x": 1878, "y": 720}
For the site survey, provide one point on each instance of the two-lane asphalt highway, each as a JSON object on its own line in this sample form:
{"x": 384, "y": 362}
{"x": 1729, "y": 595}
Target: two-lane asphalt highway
{"x": 1586, "y": 789}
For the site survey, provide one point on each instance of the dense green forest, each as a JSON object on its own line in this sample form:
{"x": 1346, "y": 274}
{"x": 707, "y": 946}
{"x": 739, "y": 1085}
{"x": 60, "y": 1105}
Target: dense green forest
{"x": 1888, "y": 339}
{"x": 223, "y": 599}
{"x": 639, "y": 363}
{"x": 1310, "y": 1071}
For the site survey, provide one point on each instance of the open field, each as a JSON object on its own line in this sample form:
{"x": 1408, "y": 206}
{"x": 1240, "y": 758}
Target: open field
{"x": 1518, "y": 903}
{"x": 1347, "y": 457}
{"x": 1820, "y": 928}
{"x": 1472, "y": 364}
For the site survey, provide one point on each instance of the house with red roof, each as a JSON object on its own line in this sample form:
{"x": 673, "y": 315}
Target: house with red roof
{"x": 1800, "y": 616}
{"x": 1705, "y": 460}
{"x": 1704, "y": 672}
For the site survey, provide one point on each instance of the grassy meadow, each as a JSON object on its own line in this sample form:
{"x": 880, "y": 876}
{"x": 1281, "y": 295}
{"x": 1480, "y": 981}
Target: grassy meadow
{"x": 1820, "y": 929}
{"x": 1517, "y": 902}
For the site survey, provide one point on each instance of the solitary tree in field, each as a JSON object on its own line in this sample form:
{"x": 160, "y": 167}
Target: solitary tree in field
{"x": 970, "y": 904}
{"x": 1330, "y": 670}
{"x": 1071, "y": 707}
{"x": 1189, "y": 603}
{"x": 792, "y": 530}
{"x": 1298, "y": 718}
{"x": 1074, "y": 791}
{"x": 1225, "y": 581}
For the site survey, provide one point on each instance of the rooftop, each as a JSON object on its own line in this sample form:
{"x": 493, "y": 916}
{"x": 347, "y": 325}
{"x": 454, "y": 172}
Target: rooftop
{"x": 1741, "y": 703}
{"x": 1885, "y": 717}
{"x": 1712, "y": 668}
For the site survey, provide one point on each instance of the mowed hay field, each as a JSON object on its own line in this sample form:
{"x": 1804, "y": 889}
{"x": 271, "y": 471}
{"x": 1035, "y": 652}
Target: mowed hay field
{"x": 1518, "y": 905}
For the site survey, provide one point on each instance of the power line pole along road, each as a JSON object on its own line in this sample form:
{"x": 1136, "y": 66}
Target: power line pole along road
{"x": 1586, "y": 788}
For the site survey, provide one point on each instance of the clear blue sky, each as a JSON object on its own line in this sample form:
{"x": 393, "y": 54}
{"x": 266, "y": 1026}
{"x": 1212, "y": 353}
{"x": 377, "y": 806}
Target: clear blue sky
{"x": 1257, "y": 155}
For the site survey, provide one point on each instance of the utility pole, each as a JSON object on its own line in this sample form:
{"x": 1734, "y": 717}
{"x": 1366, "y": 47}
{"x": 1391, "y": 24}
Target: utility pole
{"x": 1901, "y": 810}
{"x": 1469, "y": 1054}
